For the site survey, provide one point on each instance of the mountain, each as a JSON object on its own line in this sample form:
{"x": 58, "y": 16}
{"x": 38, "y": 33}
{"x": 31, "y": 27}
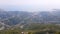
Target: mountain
{"x": 19, "y": 19}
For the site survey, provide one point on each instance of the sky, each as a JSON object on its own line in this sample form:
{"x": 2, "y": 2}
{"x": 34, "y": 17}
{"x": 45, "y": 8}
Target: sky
{"x": 29, "y": 5}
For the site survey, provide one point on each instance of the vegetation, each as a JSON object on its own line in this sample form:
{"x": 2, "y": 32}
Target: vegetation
{"x": 15, "y": 22}
{"x": 35, "y": 29}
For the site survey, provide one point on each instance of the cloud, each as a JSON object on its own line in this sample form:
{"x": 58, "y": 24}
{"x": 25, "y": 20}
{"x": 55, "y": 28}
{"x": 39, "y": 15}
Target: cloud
{"x": 30, "y": 4}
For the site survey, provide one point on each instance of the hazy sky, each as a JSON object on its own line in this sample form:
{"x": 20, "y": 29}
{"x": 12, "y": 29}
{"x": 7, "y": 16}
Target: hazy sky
{"x": 29, "y": 5}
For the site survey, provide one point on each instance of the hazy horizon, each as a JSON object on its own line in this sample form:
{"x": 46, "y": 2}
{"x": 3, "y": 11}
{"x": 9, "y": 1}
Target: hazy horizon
{"x": 29, "y": 5}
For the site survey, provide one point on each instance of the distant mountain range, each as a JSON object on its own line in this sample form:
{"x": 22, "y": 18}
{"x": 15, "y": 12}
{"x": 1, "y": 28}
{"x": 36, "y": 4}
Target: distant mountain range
{"x": 13, "y": 19}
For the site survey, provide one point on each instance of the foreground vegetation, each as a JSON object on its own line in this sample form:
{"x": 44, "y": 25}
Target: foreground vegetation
{"x": 34, "y": 29}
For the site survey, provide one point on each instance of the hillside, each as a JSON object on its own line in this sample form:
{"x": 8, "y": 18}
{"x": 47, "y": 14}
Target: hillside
{"x": 14, "y": 19}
